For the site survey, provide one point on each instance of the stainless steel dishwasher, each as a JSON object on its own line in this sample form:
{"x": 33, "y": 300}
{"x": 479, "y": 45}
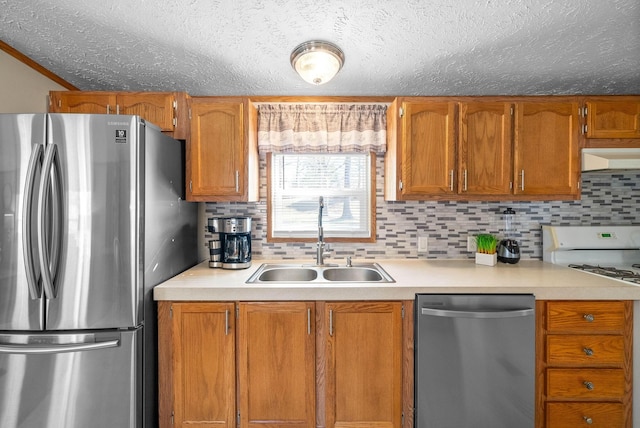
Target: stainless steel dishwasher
{"x": 474, "y": 361}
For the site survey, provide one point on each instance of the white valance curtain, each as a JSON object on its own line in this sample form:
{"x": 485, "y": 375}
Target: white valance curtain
{"x": 322, "y": 128}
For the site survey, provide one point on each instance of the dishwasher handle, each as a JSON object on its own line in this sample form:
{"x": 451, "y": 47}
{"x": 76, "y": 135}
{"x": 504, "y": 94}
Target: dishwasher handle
{"x": 490, "y": 313}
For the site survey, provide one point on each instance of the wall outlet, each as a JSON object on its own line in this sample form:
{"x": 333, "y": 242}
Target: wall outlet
{"x": 423, "y": 244}
{"x": 471, "y": 244}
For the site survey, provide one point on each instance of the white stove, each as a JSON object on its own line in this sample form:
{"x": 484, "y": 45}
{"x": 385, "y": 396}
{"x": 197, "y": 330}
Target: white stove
{"x": 611, "y": 251}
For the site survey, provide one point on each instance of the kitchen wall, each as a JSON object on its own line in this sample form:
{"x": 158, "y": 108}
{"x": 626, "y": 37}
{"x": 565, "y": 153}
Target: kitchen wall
{"x": 607, "y": 198}
{"x": 23, "y": 89}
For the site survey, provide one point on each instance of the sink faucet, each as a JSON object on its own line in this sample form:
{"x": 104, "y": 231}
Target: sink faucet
{"x": 320, "y": 254}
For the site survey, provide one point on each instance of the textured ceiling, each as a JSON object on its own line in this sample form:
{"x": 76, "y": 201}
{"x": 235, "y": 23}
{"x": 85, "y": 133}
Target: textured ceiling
{"x": 409, "y": 47}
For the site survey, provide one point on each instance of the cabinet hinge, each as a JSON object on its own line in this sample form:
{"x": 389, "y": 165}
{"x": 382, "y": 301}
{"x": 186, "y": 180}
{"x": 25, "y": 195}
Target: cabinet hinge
{"x": 511, "y": 110}
{"x": 171, "y": 312}
{"x": 175, "y": 105}
{"x": 238, "y": 418}
{"x": 237, "y": 312}
{"x": 172, "y": 417}
{"x": 402, "y": 312}
{"x": 400, "y": 185}
{"x": 401, "y": 112}
{"x": 189, "y": 114}
{"x": 60, "y": 103}
{"x": 402, "y": 423}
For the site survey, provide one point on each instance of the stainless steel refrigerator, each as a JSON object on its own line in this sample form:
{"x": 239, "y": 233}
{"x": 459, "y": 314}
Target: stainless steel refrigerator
{"x": 93, "y": 217}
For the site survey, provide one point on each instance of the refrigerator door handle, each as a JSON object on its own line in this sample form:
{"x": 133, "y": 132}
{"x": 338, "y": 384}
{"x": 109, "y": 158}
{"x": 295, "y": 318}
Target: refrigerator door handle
{"x": 57, "y": 349}
{"x": 27, "y": 208}
{"x": 49, "y": 258}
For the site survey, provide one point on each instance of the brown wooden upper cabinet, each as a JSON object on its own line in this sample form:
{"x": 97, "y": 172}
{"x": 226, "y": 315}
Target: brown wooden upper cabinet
{"x": 421, "y": 155}
{"x": 482, "y": 148}
{"x": 222, "y": 153}
{"x": 485, "y": 148}
{"x": 612, "y": 118}
{"x": 547, "y": 164}
{"x": 166, "y": 110}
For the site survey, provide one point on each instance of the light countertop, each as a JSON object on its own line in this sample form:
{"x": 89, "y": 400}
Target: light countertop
{"x": 546, "y": 281}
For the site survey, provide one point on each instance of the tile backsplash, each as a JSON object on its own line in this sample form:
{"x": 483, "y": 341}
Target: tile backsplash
{"x": 607, "y": 198}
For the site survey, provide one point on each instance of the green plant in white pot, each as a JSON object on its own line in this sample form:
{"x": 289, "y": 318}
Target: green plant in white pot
{"x": 486, "y": 244}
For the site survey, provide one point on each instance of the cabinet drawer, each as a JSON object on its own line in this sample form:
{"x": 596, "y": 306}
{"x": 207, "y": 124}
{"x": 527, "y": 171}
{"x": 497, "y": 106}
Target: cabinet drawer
{"x": 587, "y": 316}
{"x": 592, "y": 415}
{"x": 585, "y": 350}
{"x": 601, "y": 384}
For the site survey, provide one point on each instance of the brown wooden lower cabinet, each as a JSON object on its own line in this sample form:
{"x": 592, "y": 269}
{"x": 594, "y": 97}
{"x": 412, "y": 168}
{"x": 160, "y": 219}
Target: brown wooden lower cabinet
{"x": 594, "y": 415}
{"x": 584, "y": 364}
{"x": 362, "y": 363}
{"x": 196, "y": 361}
{"x": 286, "y": 364}
{"x": 276, "y": 364}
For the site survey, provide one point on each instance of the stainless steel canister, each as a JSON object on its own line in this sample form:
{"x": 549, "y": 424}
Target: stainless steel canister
{"x": 215, "y": 243}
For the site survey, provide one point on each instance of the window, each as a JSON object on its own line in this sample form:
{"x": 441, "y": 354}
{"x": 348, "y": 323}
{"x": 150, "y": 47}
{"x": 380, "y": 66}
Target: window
{"x": 346, "y": 183}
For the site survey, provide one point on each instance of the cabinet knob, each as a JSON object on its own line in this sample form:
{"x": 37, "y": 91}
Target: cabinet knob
{"x": 588, "y": 351}
{"x": 588, "y": 317}
{"x": 588, "y": 385}
{"x": 587, "y": 420}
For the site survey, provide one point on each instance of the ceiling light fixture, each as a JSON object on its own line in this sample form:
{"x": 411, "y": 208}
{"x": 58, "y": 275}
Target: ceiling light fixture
{"x": 317, "y": 61}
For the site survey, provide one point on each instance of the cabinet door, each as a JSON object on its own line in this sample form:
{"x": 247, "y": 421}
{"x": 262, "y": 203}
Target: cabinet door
{"x": 485, "y": 148}
{"x": 613, "y": 117}
{"x": 276, "y": 358}
{"x": 155, "y": 107}
{"x": 83, "y": 102}
{"x": 202, "y": 367}
{"x": 428, "y": 149}
{"x": 215, "y": 158}
{"x": 363, "y": 352}
{"x": 546, "y": 149}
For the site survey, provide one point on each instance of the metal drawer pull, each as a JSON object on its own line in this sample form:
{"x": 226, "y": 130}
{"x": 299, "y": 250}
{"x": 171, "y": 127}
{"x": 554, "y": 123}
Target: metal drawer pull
{"x": 588, "y": 317}
{"x": 587, "y": 420}
{"x": 588, "y": 351}
{"x": 588, "y": 385}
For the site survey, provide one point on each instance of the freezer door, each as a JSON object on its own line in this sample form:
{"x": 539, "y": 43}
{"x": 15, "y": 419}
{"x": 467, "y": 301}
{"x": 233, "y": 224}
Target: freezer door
{"x": 71, "y": 380}
{"x": 94, "y": 279}
{"x": 21, "y": 152}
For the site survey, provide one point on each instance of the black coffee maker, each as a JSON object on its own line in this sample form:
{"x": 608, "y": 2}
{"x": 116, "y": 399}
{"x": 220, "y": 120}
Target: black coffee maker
{"x": 236, "y": 242}
{"x": 508, "y": 248}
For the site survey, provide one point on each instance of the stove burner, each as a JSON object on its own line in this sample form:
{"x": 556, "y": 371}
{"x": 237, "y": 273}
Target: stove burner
{"x": 611, "y": 272}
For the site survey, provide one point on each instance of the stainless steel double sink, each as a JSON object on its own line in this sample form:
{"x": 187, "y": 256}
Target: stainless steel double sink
{"x": 287, "y": 273}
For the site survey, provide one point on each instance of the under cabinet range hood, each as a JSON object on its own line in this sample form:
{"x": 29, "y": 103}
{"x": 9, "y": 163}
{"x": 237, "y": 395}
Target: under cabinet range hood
{"x": 610, "y": 159}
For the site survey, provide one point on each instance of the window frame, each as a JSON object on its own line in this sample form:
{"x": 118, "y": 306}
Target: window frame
{"x": 372, "y": 210}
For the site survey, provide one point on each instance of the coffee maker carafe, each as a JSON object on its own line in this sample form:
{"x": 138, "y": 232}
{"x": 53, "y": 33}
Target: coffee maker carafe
{"x": 236, "y": 243}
